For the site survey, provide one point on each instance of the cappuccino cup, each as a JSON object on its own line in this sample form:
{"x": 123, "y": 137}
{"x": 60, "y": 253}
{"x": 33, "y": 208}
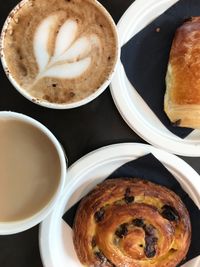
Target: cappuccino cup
{"x": 33, "y": 172}
{"x": 60, "y": 53}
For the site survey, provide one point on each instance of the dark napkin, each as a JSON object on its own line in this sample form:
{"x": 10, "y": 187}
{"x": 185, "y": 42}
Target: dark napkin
{"x": 151, "y": 169}
{"x": 145, "y": 58}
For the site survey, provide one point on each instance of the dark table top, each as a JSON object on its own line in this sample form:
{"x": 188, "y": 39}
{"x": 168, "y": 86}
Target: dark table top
{"x": 80, "y": 131}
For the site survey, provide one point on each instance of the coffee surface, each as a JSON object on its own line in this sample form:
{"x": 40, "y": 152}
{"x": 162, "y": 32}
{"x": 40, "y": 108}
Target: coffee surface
{"x": 60, "y": 51}
{"x": 30, "y": 170}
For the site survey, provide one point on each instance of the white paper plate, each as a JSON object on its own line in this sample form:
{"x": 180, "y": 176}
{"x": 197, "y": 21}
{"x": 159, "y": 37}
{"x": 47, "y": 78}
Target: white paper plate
{"x": 131, "y": 106}
{"x": 56, "y": 243}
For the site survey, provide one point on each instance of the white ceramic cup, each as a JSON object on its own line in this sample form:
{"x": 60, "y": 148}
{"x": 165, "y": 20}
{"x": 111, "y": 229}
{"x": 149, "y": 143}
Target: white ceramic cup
{"x": 40, "y": 102}
{"x": 21, "y": 225}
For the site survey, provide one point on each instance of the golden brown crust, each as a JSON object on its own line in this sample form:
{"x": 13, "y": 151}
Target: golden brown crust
{"x": 182, "y": 99}
{"x": 131, "y": 223}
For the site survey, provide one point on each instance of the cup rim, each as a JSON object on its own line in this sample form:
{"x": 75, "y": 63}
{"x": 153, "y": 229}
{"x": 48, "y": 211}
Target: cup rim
{"x": 46, "y": 104}
{"x": 27, "y": 223}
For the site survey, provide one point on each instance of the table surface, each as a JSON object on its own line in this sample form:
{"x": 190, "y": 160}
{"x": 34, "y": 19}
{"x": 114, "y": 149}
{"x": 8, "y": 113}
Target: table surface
{"x": 80, "y": 131}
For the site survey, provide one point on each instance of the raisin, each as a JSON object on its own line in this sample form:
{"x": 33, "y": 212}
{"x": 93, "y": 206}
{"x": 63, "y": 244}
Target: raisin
{"x": 122, "y": 231}
{"x": 151, "y": 242}
{"x": 111, "y": 264}
{"x": 150, "y": 251}
{"x": 172, "y": 250}
{"x": 169, "y": 213}
{"x": 127, "y": 197}
{"x": 138, "y": 222}
{"x": 149, "y": 230}
{"x": 99, "y": 215}
{"x": 93, "y": 242}
{"x": 129, "y": 200}
{"x": 100, "y": 256}
{"x": 103, "y": 259}
{"x": 187, "y": 19}
{"x": 176, "y": 123}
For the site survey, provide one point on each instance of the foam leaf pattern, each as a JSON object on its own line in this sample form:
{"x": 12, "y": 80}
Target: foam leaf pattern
{"x": 72, "y": 52}
{"x": 41, "y": 39}
{"x": 67, "y": 31}
{"x": 69, "y": 70}
{"x": 80, "y": 48}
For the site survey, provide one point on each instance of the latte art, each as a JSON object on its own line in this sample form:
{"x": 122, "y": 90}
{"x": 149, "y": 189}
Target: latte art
{"x": 60, "y": 51}
{"x": 72, "y": 55}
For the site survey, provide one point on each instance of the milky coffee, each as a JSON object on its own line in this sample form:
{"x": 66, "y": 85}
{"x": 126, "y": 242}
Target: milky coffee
{"x": 30, "y": 170}
{"x": 60, "y": 51}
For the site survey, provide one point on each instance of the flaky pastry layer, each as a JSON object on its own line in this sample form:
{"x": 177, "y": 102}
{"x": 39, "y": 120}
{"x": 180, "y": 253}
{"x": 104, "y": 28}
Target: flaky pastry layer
{"x": 182, "y": 98}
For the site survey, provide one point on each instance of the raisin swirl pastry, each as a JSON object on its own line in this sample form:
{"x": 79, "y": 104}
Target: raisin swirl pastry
{"x": 130, "y": 222}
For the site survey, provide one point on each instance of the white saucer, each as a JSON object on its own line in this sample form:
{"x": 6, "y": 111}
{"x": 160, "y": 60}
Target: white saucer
{"x": 131, "y": 106}
{"x": 56, "y": 245}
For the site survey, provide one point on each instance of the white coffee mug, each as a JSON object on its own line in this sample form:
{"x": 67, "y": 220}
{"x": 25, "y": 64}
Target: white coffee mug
{"x": 44, "y": 103}
{"x": 21, "y": 225}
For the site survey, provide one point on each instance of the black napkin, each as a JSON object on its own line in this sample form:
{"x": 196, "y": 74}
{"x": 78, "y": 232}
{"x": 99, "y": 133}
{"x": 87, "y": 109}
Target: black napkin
{"x": 149, "y": 168}
{"x": 145, "y": 58}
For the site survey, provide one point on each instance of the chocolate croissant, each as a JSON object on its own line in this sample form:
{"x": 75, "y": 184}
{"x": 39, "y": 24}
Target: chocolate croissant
{"x": 130, "y": 222}
{"x": 182, "y": 98}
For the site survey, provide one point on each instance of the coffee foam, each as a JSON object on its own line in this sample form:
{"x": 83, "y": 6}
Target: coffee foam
{"x": 64, "y": 53}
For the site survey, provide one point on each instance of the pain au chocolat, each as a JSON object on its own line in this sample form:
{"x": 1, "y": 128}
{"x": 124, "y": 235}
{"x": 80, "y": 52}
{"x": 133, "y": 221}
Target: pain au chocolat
{"x": 128, "y": 222}
{"x": 182, "y": 98}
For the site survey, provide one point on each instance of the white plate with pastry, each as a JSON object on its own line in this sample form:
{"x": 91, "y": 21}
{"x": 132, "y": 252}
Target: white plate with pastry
{"x": 56, "y": 237}
{"x": 130, "y": 104}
